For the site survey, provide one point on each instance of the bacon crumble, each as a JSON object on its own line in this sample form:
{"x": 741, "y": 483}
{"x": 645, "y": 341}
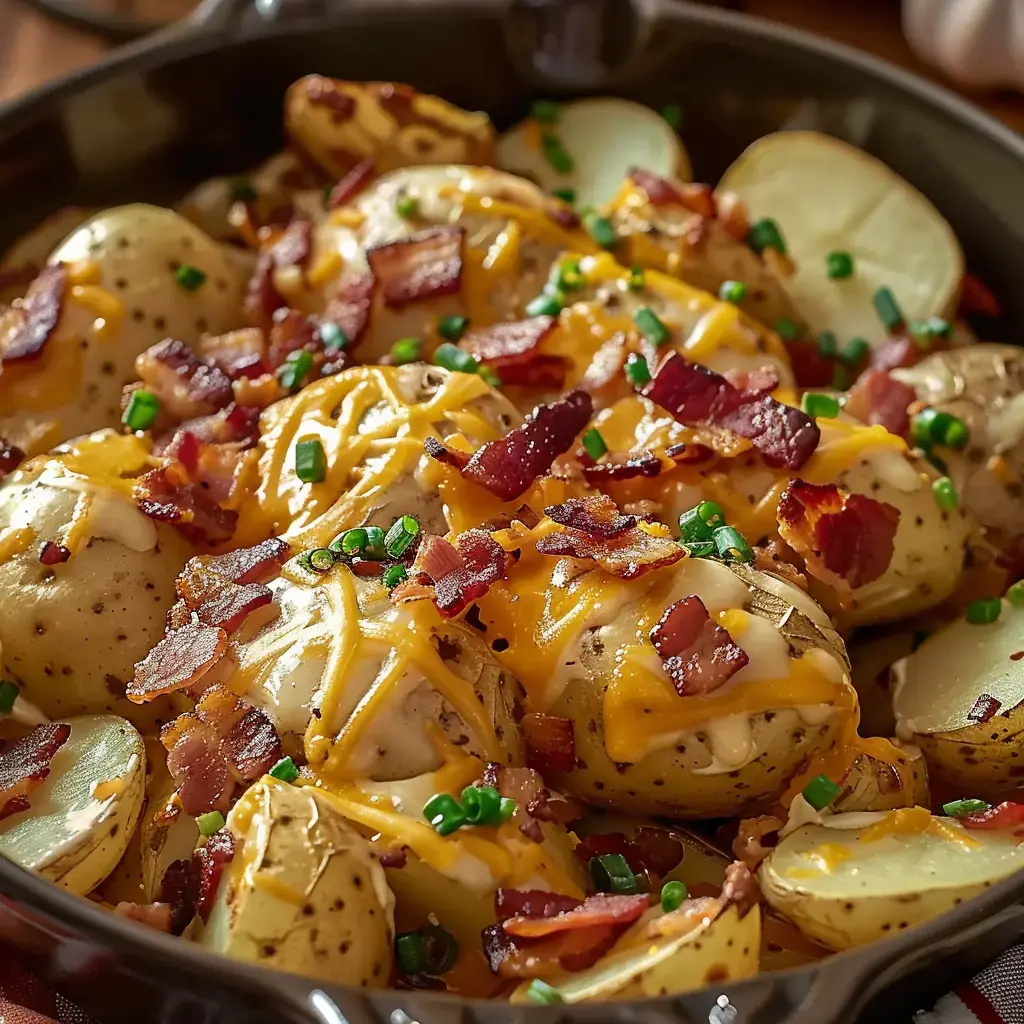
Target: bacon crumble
{"x": 550, "y": 743}
{"x": 426, "y": 265}
{"x": 879, "y": 399}
{"x": 28, "y": 325}
{"x": 512, "y": 351}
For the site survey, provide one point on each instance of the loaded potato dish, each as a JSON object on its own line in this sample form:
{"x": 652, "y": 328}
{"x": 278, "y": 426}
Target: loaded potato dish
{"x": 500, "y": 565}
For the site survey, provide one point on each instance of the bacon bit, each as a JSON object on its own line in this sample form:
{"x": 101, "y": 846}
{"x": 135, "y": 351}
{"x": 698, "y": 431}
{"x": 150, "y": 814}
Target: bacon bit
{"x": 756, "y": 839}
{"x": 564, "y": 217}
{"x": 290, "y": 332}
{"x": 698, "y": 654}
{"x": 230, "y": 605}
{"x": 436, "y": 558}
{"x": 596, "y": 516}
{"x": 11, "y": 457}
{"x": 186, "y": 386}
{"x": 594, "y": 911}
{"x": 258, "y": 564}
{"x": 294, "y": 247}
{"x": 897, "y": 351}
{"x": 689, "y": 453}
{"x": 426, "y": 265}
{"x": 524, "y": 903}
{"x": 877, "y": 398}
{"x": 510, "y": 349}
{"x": 811, "y": 369}
{"x": 179, "y": 660}
{"x": 351, "y": 184}
{"x": 154, "y": 915}
{"x": 53, "y": 554}
{"x": 535, "y": 802}
{"x": 565, "y": 951}
{"x": 762, "y": 381}
{"x": 185, "y": 505}
{"x": 1008, "y": 814}
{"x": 446, "y": 453}
{"x": 211, "y": 858}
{"x": 977, "y": 298}
{"x": 648, "y": 849}
{"x": 179, "y": 889}
{"x": 27, "y": 326}
{"x": 240, "y": 354}
{"x": 645, "y": 464}
{"x": 550, "y": 743}
{"x": 697, "y": 198}
{"x": 262, "y": 299}
{"x": 349, "y": 308}
{"x": 394, "y": 858}
{"x": 694, "y": 394}
{"x": 984, "y": 709}
{"x": 483, "y": 564}
{"x": 25, "y": 764}
{"x": 740, "y": 889}
{"x": 846, "y": 540}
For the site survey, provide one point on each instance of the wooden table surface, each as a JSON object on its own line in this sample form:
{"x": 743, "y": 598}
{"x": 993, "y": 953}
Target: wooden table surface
{"x": 34, "y": 49}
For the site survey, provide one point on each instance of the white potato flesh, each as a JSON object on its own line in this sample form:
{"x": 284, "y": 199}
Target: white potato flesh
{"x": 81, "y": 818}
{"x": 828, "y": 196}
{"x": 603, "y": 137}
{"x": 858, "y": 878}
{"x": 122, "y": 298}
{"x": 303, "y": 892}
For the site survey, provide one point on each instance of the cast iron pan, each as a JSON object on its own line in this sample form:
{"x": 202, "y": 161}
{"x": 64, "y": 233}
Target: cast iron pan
{"x": 205, "y": 98}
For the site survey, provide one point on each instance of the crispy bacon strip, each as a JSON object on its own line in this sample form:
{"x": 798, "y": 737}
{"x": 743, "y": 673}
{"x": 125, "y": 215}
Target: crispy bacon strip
{"x": 510, "y": 903}
{"x": 596, "y": 516}
{"x": 25, "y": 764}
{"x": 512, "y": 351}
{"x": 171, "y": 497}
{"x": 877, "y": 398}
{"x": 662, "y": 192}
{"x": 698, "y": 654}
{"x": 294, "y": 247}
{"x": 696, "y": 395}
{"x": 240, "y": 354}
{"x": 27, "y": 326}
{"x": 186, "y": 386}
{"x": 350, "y": 306}
{"x": 260, "y": 563}
{"x": 594, "y": 911}
{"x": 756, "y": 839}
{"x": 899, "y": 350}
{"x": 53, "y": 554}
{"x": 179, "y": 660}
{"x": 426, "y": 265}
{"x": 846, "y": 540}
{"x": 645, "y": 464}
{"x": 550, "y": 743}
{"x": 565, "y": 951}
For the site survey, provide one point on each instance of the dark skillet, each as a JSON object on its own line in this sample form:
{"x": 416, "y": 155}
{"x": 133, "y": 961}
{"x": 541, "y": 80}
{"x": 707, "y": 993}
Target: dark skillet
{"x": 160, "y": 115}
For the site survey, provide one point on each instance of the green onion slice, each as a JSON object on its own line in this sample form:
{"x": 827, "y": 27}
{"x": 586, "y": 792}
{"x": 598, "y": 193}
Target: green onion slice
{"x": 673, "y": 114}
{"x": 612, "y": 873}
{"x": 828, "y": 346}
{"x": 294, "y": 369}
{"x": 403, "y": 531}
{"x": 406, "y": 350}
{"x": 944, "y": 492}
{"x": 544, "y": 305}
{"x": 635, "y": 281}
{"x": 567, "y": 195}
{"x": 888, "y": 310}
{"x": 653, "y": 329}
{"x": 958, "y": 808}
{"x": 394, "y": 575}
{"x": 732, "y": 291}
{"x": 820, "y": 792}
{"x": 351, "y": 542}
{"x": 507, "y": 809}
{"x": 600, "y": 229}
{"x": 212, "y": 821}
{"x": 142, "y": 410}
{"x": 984, "y": 612}
{"x": 374, "y": 548}
{"x": 545, "y": 111}
{"x": 765, "y": 234}
{"x": 443, "y": 812}
{"x": 787, "y": 329}
{"x": 310, "y": 461}
{"x": 855, "y": 351}
{"x": 816, "y": 405}
{"x": 190, "y": 278}
{"x": 839, "y": 265}
{"x": 1015, "y": 595}
{"x": 333, "y": 337}
{"x": 732, "y": 545}
{"x": 555, "y": 154}
{"x": 407, "y": 206}
{"x": 455, "y": 359}
{"x": 321, "y": 559}
{"x": 593, "y": 444}
{"x": 409, "y": 952}
{"x": 638, "y": 372}
{"x": 285, "y": 770}
{"x": 452, "y": 328}
{"x": 481, "y": 805}
{"x": 543, "y": 994}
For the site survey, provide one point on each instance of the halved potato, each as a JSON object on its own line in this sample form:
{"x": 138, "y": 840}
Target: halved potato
{"x": 960, "y": 698}
{"x": 828, "y": 196}
{"x": 603, "y": 137}
{"x": 81, "y": 818}
{"x": 303, "y": 893}
{"x": 860, "y": 877}
{"x": 876, "y": 783}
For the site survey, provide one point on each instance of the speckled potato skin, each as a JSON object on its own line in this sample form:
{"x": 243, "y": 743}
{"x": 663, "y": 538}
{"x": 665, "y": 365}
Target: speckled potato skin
{"x": 871, "y": 784}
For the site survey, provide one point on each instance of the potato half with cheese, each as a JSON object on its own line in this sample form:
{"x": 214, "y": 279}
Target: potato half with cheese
{"x": 85, "y": 578}
{"x": 860, "y": 877}
{"x": 303, "y": 893}
{"x": 960, "y": 698}
{"x": 122, "y": 281}
{"x": 80, "y": 819}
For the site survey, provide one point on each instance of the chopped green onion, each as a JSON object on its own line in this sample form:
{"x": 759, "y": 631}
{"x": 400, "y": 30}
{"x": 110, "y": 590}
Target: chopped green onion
{"x": 374, "y": 548}
{"x": 732, "y": 291}
{"x": 828, "y": 346}
{"x": 816, "y": 405}
{"x": 410, "y": 954}
{"x": 489, "y": 377}
{"x": 455, "y": 359}
{"x": 555, "y": 154}
{"x": 653, "y": 329}
{"x": 567, "y": 195}
{"x": 190, "y": 278}
{"x": 350, "y": 543}
{"x": 310, "y": 461}
{"x": 142, "y": 410}
{"x": 544, "y": 305}
{"x": 958, "y": 808}
{"x": 600, "y": 229}
{"x": 820, "y": 792}
{"x": 565, "y": 277}
{"x": 333, "y": 337}
{"x": 481, "y": 805}
{"x": 840, "y": 378}
{"x": 285, "y": 770}
{"x": 673, "y": 114}
{"x": 945, "y": 494}
{"x": 543, "y": 994}
{"x": 696, "y": 524}
{"x": 406, "y": 350}
{"x": 672, "y": 896}
{"x": 839, "y": 265}
{"x": 545, "y": 111}
{"x": 787, "y": 329}
{"x": 924, "y": 332}
{"x": 1015, "y": 595}
{"x": 932, "y": 426}
{"x": 984, "y": 612}
{"x": 700, "y": 548}
{"x": 394, "y": 575}
{"x": 635, "y": 282}
{"x": 507, "y": 809}
{"x": 732, "y": 545}
{"x": 612, "y": 873}
{"x": 407, "y": 206}
{"x": 294, "y": 369}
{"x": 243, "y": 192}
{"x": 593, "y": 444}
{"x": 638, "y": 373}
{"x": 212, "y": 821}
{"x": 443, "y": 812}
{"x": 404, "y": 530}
{"x": 319, "y": 559}
{"x": 451, "y": 328}
{"x": 855, "y": 351}
{"x": 888, "y": 310}
{"x": 8, "y": 695}
{"x": 765, "y": 234}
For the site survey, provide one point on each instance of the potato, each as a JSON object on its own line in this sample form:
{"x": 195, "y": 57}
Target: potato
{"x": 72, "y": 632}
{"x": 960, "y": 697}
{"x": 983, "y": 386}
{"x": 81, "y": 818}
{"x": 828, "y": 196}
{"x": 706, "y": 943}
{"x": 26, "y": 256}
{"x": 303, "y": 893}
{"x": 859, "y": 877}
{"x": 874, "y": 783}
{"x": 121, "y": 297}
{"x": 603, "y": 137}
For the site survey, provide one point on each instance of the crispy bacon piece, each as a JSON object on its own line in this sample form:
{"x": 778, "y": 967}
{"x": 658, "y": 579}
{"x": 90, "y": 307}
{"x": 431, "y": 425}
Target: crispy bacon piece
{"x": 762, "y": 381}
{"x": 229, "y": 605}
{"x": 426, "y": 265}
{"x": 661, "y": 192}
{"x": 846, "y": 540}
{"x": 510, "y": 903}
{"x": 1008, "y": 814}
{"x": 479, "y": 561}
{"x": 179, "y": 660}
{"x": 53, "y": 554}
{"x": 984, "y": 709}
{"x": 350, "y": 305}
{"x": 262, "y": 299}
{"x": 186, "y": 386}
{"x": 436, "y": 558}
{"x": 27, "y": 326}
{"x": 756, "y": 839}
{"x": 511, "y": 350}
{"x": 594, "y": 911}
{"x": 179, "y": 889}
{"x": 698, "y": 654}
{"x": 648, "y": 849}
{"x": 446, "y": 453}
{"x": 550, "y": 743}
{"x": 11, "y": 457}
{"x": 645, "y": 464}
{"x": 154, "y": 915}
{"x": 566, "y": 951}
{"x": 535, "y": 802}
{"x": 170, "y": 497}
{"x": 810, "y": 368}
{"x": 295, "y": 245}
{"x": 740, "y": 889}
{"x": 596, "y": 516}
{"x": 507, "y": 467}
{"x": 695, "y": 395}
{"x": 689, "y": 453}
{"x": 977, "y": 297}
{"x": 25, "y": 763}
{"x": 211, "y": 858}
{"x": 899, "y": 350}
{"x": 260, "y": 563}
{"x": 877, "y": 398}
{"x": 351, "y": 184}
{"x": 240, "y": 354}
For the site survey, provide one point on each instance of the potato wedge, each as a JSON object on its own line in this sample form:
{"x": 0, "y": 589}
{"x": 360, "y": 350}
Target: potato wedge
{"x": 872, "y": 783}
{"x": 81, "y": 818}
{"x": 861, "y": 877}
{"x": 303, "y": 893}
{"x": 828, "y": 196}
{"x": 960, "y": 698}
{"x": 602, "y": 137}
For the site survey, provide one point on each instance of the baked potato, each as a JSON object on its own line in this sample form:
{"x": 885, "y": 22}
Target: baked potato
{"x": 303, "y": 893}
